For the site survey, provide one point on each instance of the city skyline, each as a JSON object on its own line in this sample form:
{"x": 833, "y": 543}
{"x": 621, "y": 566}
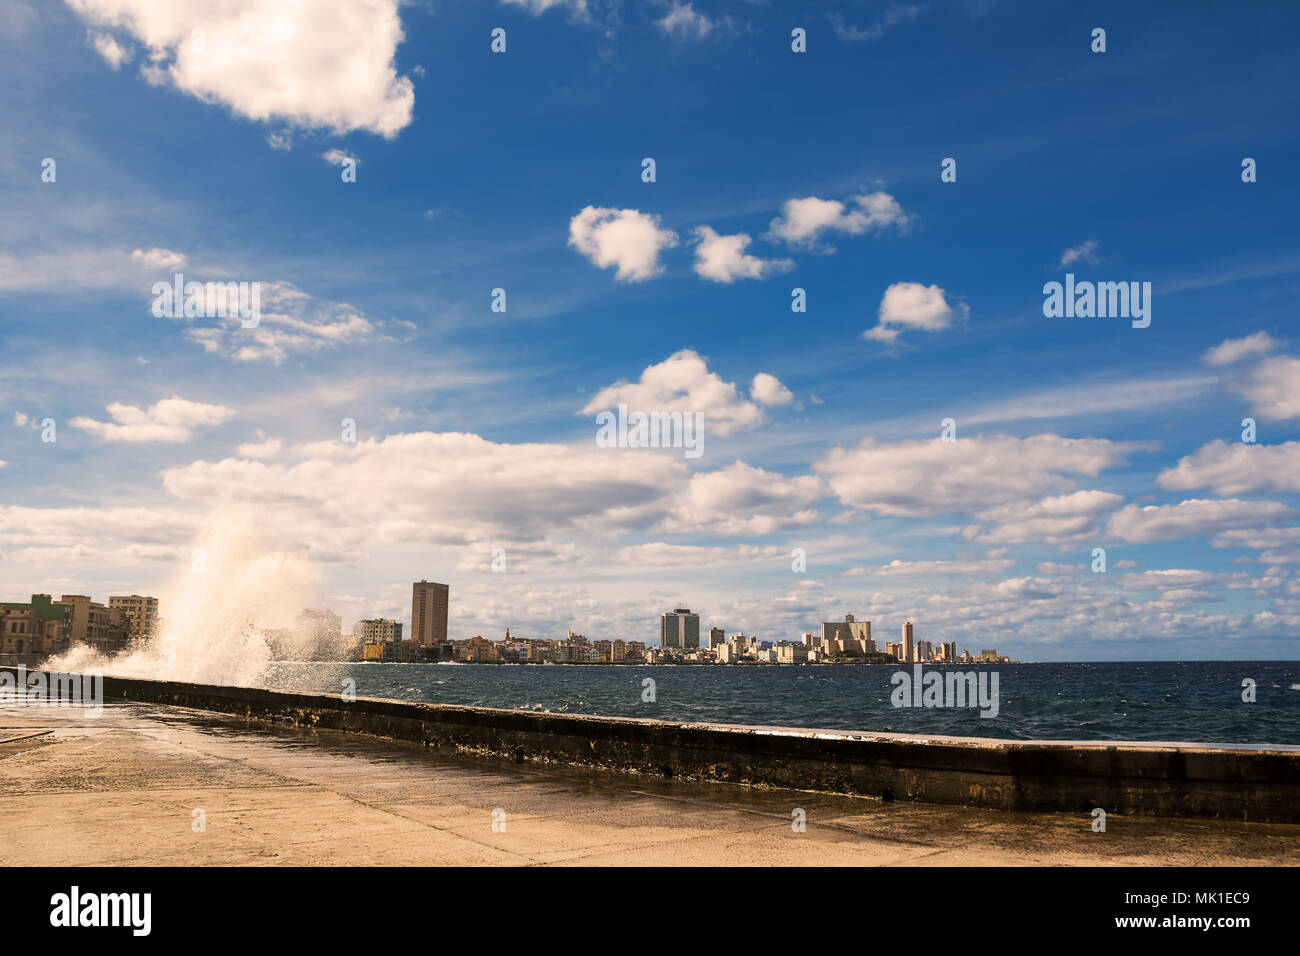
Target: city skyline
{"x": 440, "y": 334}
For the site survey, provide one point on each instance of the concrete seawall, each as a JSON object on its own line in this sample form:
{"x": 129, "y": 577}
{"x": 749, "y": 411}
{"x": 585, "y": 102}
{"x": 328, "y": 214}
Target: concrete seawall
{"x": 1171, "y": 779}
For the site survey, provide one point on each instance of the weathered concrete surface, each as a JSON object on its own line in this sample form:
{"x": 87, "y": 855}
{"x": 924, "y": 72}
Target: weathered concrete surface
{"x": 1170, "y": 779}
{"x": 121, "y": 790}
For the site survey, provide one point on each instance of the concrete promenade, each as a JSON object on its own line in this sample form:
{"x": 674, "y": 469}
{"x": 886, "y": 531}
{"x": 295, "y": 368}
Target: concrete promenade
{"x": 121, "y": 789}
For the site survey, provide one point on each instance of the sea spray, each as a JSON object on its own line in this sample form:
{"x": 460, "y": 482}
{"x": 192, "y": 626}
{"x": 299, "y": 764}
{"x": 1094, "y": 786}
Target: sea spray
{"x": 218, "y": 615}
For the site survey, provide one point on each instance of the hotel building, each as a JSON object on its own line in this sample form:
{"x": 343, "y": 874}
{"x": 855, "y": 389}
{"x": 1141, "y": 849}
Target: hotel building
{"x": 429, "y": 613}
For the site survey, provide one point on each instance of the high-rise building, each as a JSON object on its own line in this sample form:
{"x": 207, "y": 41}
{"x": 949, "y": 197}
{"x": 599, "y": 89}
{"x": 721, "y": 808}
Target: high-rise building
{"x": 140, "y": 613}
{"x": 850, "y": 636}
{"x": 909, "y": 652}
{"x": 680, "y": 628}
{"x": 92, "y": 623}
{"x": 380, "y": 639}
{"x": 717, "y": 637}
{"x": 429, "y": 613}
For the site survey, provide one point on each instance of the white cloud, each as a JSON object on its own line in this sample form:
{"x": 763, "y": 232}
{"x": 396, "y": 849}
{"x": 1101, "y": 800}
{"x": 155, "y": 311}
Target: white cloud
{"x": 685, "y": 23}
{"x": 112, "y": 52}
{"x": 1054, "y": 520}
{"x": 171, "y": 420}
{"x": 1272, "y": 387}
{"x": 1237, "y": 469}
{"x": 960, "y": 568}
{"x": 1085, "y": 251}
{"x": 767, "y": 390}
{"x": 1026, "y": 589}
{"x": 894, "y": 15}
{"x": 20, "y": 419}
{"x": 910, "y": 305}
{"x": 723, "y": 258}
{"x": 1191, "y": 518}
{"x": 157, "y": 258}
{"x": 281, "y": 140}
{"x": 336, "y": 157}
{"x": 292, "y": 322}
{"x": 658, "y": 554}
{"x": 627, "y": 239}
{"x": 577, "y": 8}
{"x": 682, "y": 383}
{"x": 922, "y": 477}
{"x": 268, "y": 448}
{"x": 339, "y": 500}
{"x": 804, "y": 221}
{"x": 1258, "y": 538}
{"x": 1162, "y": 579}
{"x": 1234, "y": 350}
{"x": 743, "y": 500}
{"x": 54, "y": 534}
{"x": 304, "y": 64}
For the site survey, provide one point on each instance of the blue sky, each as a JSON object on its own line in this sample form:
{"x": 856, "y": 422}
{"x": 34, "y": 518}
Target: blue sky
{"x": 476, "y": 429}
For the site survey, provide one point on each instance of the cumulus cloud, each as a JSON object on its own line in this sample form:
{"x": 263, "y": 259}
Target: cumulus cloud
{"x": 723, "y": 258}
{"x": 626, "y": 239}
{"x": 171, "y": 420}
{"x": 1164, "y": 579}
{"x": 304, "y": 64}
{"x": 1192, "y": 518}
{"x": 1085, "y": 251}
{"x": 1055, "y": 520}
{"x": 1236, "y": 469}
{"x": 921, "y": 478}
{"x": 743, "y": 500}
{"x": 910, "y": 305}
{"x": 1272, "y": 387}
{"x": 57, "y": 534}
{"x": 767, "y": 390}
{"x": 1258, "y": 538}
{"x": 438, "y": 488}
{"x": 1234, "y": 350}
{"x": 803, "y": 222}
{"x": 683, "y": 383}
{"x": 1027, "y": 589}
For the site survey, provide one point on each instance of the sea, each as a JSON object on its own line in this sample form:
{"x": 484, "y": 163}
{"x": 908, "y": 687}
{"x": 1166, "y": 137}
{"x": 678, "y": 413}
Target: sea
{"x": 1200, "y": 701}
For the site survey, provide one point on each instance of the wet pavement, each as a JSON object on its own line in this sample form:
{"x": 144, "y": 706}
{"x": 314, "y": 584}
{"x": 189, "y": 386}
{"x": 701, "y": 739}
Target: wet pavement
{"x": 131, "y": 786}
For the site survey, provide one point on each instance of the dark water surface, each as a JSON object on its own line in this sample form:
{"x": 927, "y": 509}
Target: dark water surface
{"x": 1192, "y": 701}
